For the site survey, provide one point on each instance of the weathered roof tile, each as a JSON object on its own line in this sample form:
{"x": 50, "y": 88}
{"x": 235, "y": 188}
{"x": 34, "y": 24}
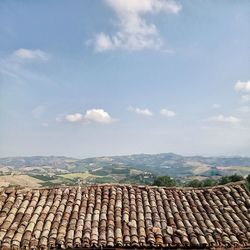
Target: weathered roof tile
{"x": 125, "y": 216}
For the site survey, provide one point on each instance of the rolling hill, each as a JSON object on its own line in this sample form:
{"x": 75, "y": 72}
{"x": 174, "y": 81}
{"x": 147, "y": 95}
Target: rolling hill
{"x": 167, "y": 163}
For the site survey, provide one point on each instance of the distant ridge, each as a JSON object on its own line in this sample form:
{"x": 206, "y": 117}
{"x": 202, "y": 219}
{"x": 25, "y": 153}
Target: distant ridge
{"x": 168, "y": 163}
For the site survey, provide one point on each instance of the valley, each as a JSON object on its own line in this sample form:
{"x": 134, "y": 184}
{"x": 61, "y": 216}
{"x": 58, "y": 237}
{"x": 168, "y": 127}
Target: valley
{"x": 37, "y": 171}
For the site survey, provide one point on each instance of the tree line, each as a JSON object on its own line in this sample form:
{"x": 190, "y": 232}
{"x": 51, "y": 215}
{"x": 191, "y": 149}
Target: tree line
{"x": 171, "y": 182}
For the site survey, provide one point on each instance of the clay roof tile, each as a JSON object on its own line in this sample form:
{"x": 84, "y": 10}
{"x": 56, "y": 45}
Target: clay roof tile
{"x": 125, "y": 216}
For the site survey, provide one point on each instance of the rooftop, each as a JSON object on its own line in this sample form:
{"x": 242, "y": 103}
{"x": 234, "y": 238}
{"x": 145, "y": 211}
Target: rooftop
{"x": 123, "y": 216}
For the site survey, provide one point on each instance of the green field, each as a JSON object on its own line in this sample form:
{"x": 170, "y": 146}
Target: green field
{"x": 82, "y": 176}
{"x": 243, "y": 170}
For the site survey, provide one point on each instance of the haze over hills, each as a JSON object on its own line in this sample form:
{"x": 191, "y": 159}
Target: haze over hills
{"x": 168, "y": 163}
{"x": 35, "y": 161}
{"x": 138, "y": 168}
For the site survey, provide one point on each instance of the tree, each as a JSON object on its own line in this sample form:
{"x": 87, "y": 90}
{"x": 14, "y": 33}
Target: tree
{"x": 235, "y": 177}
{"x": 224, "y": 180}
{"x": 209, "y": 183}
{"x": 230, "y": 178}
{"x": 165, "y": 181}
{"x": 248, "y": 178}
{"x": 193, "y": 183}
{"x": 248, "y": 182}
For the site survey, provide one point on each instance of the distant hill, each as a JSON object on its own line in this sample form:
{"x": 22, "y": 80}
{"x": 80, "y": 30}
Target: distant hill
{"x": 37, "y": 161}
{"x": 165, "y": 163}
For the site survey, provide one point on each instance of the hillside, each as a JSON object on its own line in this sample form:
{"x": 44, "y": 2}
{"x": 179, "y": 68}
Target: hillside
{"x": 118, "y": 168}
{"x": 167, "y": 163}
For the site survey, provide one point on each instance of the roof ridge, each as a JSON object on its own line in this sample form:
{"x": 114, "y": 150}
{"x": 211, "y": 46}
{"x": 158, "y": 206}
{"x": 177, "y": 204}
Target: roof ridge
{"x": 124, "y": 216}
{"x": 231, "y": 184}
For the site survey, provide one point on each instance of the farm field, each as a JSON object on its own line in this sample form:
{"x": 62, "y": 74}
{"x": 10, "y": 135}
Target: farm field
{"x": 19, "y": 180}
{"x": 77, "y": 175}
{"x": 131, "y": 169}
{"x": 242, "y": 170}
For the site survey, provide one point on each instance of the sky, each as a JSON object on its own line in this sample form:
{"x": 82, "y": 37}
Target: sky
{"x": 115, "y": 77}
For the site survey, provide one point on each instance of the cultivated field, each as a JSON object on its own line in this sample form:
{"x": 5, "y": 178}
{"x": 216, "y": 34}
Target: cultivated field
{"x": 19, "y": 180}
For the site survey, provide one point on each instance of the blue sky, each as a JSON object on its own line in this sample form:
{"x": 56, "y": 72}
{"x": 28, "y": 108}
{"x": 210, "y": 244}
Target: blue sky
{"x": 91, "y": 78}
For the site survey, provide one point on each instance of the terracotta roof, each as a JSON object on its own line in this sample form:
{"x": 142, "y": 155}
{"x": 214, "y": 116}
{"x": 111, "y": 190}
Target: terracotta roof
{"x": 125, "y": 216}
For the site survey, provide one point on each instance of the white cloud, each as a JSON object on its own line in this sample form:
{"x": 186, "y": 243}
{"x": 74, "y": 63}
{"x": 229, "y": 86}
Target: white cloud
{"x": 92, "y": 115}
{"x": 242, "y": 86}
{"x": 134, "y": 32}
{"x": 60, "y": 118}
{"x": 103, "y": 42}
{"x": 28, "y": 54}
{"x": 77, "y": 117}
{"x": 224, "y": 119}
{"x": 14, "y": 67}
{"x": 98, "y": 115}
{"x": 144, "y": 112}
{"x": 167, "y": 113}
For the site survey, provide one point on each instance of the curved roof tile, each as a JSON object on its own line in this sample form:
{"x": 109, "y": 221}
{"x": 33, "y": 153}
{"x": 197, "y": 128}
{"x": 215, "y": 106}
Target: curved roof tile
{"x": 123, "y": 216}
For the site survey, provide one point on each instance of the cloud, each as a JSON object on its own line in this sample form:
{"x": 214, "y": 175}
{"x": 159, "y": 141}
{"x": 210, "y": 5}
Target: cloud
{"x": 103, "y": 42}
{"x": 167, "y": 113}
{"x": 224, "y": 119}
{"x": 134, "y": 32}
{"x": 14, "y": 67}
{"x": 77, "y": 117}
{"x": 98, "y": 115}
{"x": 144, "y": 112}
{"x": 28, "y": 54}
{"x": 91, "y": 115}
{"x": 60, "y": 118}
{"x": 242, "y": 86}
